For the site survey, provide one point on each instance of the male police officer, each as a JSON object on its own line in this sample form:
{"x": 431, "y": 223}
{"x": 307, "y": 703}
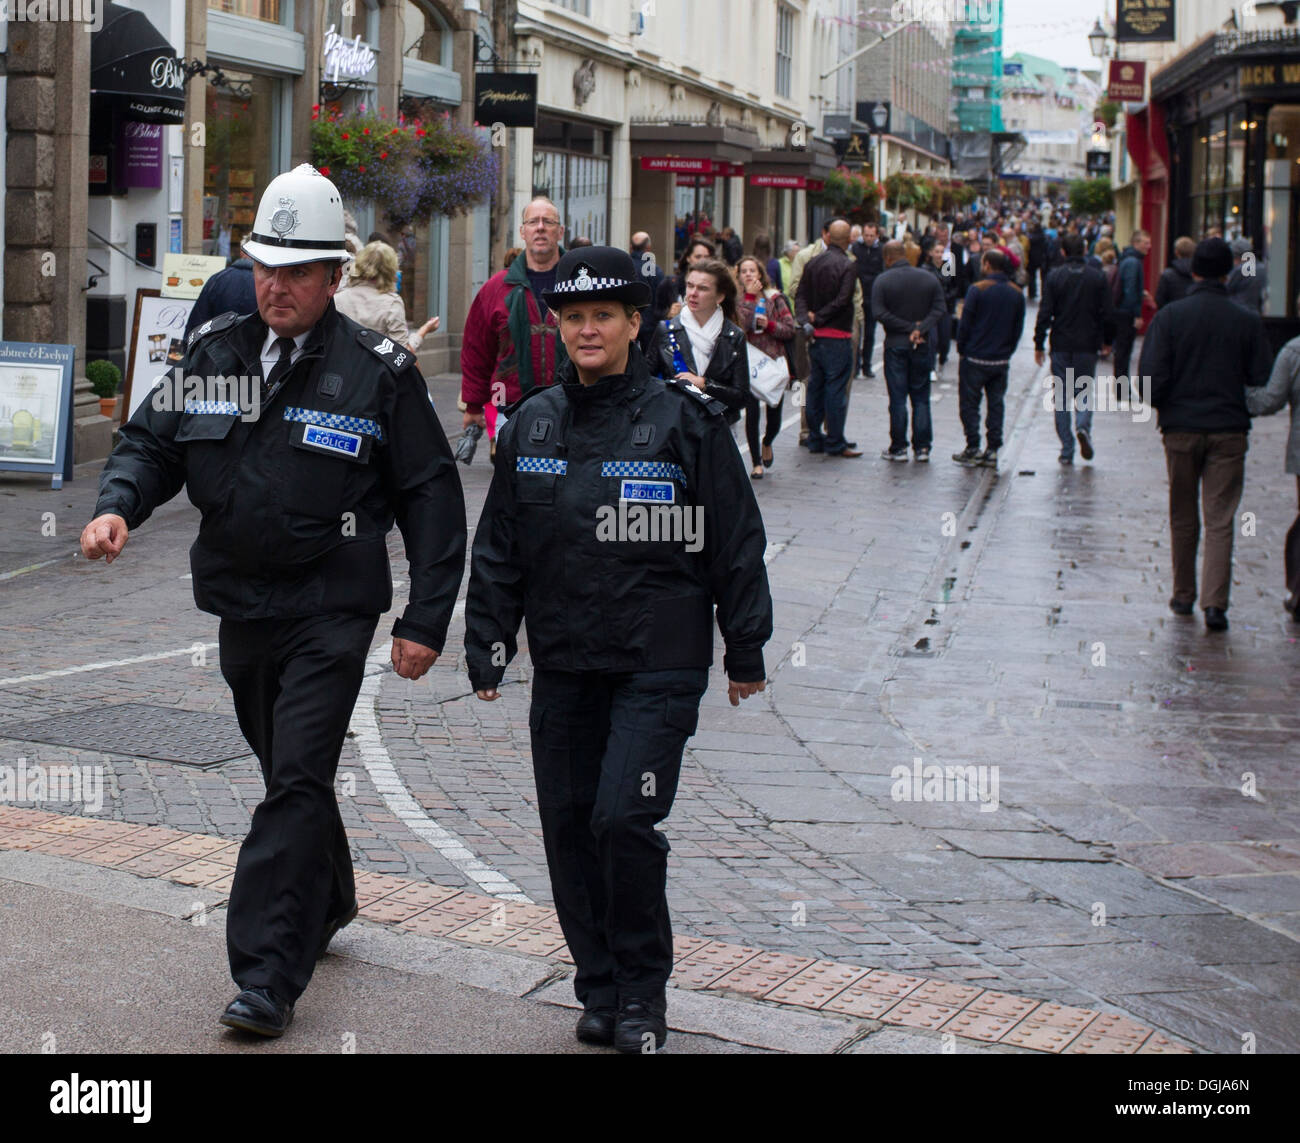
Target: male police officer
{"x": 619, "y": 514}
{"x": 297, "y": 494}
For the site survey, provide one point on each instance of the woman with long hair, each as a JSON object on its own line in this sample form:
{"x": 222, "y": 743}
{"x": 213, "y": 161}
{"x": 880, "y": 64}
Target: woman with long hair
{"x": 672, "y": 290}
{"x": 703, "y": 345}
{"x": 770, "y": 332}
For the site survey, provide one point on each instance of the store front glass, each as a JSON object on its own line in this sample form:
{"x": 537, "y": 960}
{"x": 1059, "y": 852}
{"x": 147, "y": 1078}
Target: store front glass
{"x": 242, "y": 142}
{"x": 425, "y": 36}
{"x": 571, "y": 168}
{"x": 1281, "y": 184}
{"x": 268, "y": 10}
{"x": 697, "y": 212}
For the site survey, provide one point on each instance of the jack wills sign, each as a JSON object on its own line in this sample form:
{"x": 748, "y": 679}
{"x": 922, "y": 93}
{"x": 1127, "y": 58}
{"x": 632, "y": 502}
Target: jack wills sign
{"x": 508, "y": 98}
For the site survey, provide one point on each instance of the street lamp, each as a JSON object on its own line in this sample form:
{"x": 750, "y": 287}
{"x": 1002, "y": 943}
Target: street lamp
{"x": 1097, "y": 41}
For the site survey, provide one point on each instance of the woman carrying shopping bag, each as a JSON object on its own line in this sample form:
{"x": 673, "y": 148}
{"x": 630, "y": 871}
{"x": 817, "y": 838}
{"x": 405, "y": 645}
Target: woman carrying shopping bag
{"x": 770, "y": 328}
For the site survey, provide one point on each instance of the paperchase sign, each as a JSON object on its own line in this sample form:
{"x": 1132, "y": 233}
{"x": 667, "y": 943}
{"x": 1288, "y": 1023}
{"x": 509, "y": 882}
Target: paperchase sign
{"x": 508, "y": 98}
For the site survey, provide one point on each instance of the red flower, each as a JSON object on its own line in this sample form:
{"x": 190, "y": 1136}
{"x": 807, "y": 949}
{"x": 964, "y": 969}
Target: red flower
{"x": 383, "y": 154}
{"x": 325, "y": 171}
{"x": 365, "y": 130}
{"x": 419, "y": 132}
{"x": 345, "y": 134}
{"x": 361, "y": 169}
{"x": 315, "y": 106}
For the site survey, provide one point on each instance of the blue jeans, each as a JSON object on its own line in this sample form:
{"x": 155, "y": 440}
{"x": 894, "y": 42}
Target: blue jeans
{"x": 830, "y": 361}
{"x": 1072, "y": 390}
{"x": 907, "y": 377}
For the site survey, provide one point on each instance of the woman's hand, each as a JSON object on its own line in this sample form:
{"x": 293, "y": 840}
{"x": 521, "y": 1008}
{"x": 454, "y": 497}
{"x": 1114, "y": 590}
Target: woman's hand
{"x": 694, "y": 379}
{"x": 430, "y": 326}
{"x": 760, "y": 322}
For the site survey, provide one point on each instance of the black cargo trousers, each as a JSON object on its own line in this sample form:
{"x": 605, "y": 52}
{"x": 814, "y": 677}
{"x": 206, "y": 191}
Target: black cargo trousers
{"x": 607, "y": 752}
{"x": 295, "y": 682}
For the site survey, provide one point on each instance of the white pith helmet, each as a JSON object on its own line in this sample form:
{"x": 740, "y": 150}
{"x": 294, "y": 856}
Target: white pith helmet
{"x": 300, "y": 219}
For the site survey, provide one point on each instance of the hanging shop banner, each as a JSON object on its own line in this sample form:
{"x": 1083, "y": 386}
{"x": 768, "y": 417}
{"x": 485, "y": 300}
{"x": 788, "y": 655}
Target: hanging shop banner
{"x": 854, "y": 147}
{"x": 1144, "y": 21}
{"x": 508, "y": 98}
{"x": 1127, "y": 81}
{"x": 673, "y": 164}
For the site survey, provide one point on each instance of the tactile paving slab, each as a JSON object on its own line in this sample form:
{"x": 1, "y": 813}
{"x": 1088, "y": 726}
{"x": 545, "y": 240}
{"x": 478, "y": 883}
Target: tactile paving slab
{"x": 197, "y": 738}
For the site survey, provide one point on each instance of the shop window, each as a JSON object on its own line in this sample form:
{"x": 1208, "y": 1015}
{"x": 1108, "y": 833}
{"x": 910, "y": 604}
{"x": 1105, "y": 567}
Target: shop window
{"x": 352, "y": 18}
{"x": 571, "y": 168}
{"x": 267, "y": 10}
{"x": 784, "y": 49}
{"x": 238, "y": 159}
{"x": 425, "y": 35}
{"x": 1281, "y": 186}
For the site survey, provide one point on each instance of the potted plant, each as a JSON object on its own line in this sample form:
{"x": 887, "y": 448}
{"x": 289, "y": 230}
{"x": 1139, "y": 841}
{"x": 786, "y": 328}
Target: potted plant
{"x": 104, "y": 378}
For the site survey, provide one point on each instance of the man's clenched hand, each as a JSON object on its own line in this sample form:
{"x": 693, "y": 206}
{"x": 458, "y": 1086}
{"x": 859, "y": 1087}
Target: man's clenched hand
{"x": 412, "y": 660}
{"x": 104, "y": 536}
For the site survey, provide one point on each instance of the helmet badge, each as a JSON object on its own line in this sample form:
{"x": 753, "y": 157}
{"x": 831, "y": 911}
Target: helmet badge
{"x": 285, "y": 220}
{"x": 583, "y": 279}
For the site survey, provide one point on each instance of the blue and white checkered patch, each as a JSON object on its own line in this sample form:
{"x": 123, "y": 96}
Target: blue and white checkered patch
{"x": 541, "y": 464}
{"x": 336, "y": 421}
{"x": 227, "y": 408}
{"x": 643, "y": 468}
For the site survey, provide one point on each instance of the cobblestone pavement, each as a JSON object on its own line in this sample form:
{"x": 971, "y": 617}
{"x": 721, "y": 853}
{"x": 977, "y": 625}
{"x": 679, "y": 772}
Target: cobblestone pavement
{"x": 1143, "y": 856}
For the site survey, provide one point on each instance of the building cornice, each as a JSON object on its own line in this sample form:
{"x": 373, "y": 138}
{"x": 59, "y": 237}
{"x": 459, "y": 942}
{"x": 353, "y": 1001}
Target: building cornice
{"x": 603, "y": 53}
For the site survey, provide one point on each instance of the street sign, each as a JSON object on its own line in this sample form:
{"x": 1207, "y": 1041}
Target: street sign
{"x": 1098, "y": 162}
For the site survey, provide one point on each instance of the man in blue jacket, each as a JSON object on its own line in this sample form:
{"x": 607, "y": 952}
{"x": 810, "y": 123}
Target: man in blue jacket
{"x": 1128, "y": 306}
{"x": 992, "y": 320}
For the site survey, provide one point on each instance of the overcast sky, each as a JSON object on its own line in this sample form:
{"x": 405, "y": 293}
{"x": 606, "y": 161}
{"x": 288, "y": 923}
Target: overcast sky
{"x": 1054, "y": 29}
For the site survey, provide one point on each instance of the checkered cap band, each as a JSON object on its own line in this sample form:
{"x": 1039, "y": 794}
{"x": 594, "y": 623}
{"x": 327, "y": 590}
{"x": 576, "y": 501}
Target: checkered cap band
{"x": 219, "y": 407}
{"x": 541, "y": 464}
{"x": 336, "y": 421}
{"x": 587, "y": 285}
{"x": 643, "y": 468}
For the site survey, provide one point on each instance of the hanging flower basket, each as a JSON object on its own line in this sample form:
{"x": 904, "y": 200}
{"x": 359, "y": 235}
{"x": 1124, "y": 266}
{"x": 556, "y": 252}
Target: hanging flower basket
{"x": 850, "y": 193}
{"x": 412, "y": 169}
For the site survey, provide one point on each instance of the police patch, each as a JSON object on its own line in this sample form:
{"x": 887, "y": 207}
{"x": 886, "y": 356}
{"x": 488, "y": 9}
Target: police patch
{"x": 648, "y": 491}
{"x": 332, "y": 440}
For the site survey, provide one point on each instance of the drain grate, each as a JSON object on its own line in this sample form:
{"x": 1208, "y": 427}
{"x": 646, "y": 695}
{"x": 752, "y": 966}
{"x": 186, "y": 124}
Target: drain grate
{"x": 189, "y": 737}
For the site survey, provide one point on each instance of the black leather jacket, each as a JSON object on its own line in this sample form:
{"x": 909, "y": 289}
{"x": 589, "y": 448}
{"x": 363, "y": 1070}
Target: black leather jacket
{"x": 727, "y": 376}
{"x": 297, "y": 503}
{"x": 597, "y": 597}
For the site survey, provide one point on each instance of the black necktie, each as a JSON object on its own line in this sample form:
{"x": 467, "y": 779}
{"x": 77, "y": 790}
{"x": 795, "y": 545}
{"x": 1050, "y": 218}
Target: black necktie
{"x": 286, "y": 346}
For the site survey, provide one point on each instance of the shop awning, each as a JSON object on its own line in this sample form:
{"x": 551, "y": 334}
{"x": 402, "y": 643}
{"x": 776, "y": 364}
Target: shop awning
{"x": 814, "y": 161}
{"x": 660, "y": 141}
{"x": 135, "y": 69}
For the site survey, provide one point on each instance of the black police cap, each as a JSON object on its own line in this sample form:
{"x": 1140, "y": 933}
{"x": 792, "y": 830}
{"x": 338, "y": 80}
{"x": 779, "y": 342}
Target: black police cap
{"x": 597, "y": 273}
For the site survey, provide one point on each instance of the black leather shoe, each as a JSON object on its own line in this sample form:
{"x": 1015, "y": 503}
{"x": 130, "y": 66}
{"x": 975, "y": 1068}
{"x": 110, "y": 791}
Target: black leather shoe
{"x": 258, "y": 1010}
{"x": 1216, "y": 619}
{"x": 332, "y": 926}
{"x": 1180, "y": 608}
{"x": 639, "y": 1024}
{"x": 596, "y": 1026}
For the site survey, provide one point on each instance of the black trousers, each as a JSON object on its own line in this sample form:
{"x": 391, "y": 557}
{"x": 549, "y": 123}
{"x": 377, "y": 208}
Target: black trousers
{"x": 973, "y": 383}
{"x": 1125, "y": 336}
{"x": 295, "y": 682}
{"x": 868, "y": 329}
{"x": 772, "y": 425}
{"x": 607, "y": 751}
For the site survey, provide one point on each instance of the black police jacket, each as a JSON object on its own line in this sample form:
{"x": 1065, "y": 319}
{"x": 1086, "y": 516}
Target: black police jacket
{"x": 726, "y": 378}
{"x": 297, "y": 503}
{"x": 558, "y": 544}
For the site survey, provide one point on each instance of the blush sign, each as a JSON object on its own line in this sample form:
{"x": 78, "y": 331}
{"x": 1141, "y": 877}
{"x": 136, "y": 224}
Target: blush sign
{"x": 141, "y": 151}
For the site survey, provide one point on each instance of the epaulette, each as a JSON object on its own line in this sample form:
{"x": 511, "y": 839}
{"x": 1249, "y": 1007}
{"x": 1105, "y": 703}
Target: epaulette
{"x": 712, "y": 404}
{"x": 212, "y": 325}
{"x": 393, "y": 354}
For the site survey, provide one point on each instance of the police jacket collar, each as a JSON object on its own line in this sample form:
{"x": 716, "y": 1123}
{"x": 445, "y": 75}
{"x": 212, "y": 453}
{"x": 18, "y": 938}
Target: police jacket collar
{"x": 608, "y": 390}
{"x": 249, "y": 337}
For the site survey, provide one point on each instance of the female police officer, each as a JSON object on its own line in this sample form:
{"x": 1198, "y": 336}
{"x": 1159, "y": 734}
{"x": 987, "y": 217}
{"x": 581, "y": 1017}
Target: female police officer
{"x": 619, "y": 514}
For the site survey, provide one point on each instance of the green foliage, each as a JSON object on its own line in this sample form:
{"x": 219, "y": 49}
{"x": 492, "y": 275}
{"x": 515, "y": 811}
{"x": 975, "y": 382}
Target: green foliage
{"x": 1107, "y": 111}
{"x": 1091, "y": 196}
{"x": 104, "y": 377}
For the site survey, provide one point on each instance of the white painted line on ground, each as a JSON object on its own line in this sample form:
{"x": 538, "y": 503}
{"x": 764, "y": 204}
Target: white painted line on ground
{"x": 378, "y": 764}
{"x": 33, "y": 567}
{"x": 14, "y": 680}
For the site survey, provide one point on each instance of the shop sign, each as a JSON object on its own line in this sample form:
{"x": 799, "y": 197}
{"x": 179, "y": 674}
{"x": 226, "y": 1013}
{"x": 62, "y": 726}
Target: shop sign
{"x": 1127, "y": 81}
{"x": 854, "y": 147}
{"x": 675, "y": 165}
{"x": 1098, "y": 162}
{"x": 1276, "y": 74}
{"x": 1144, "y": 21}
{"x": 346, "y": 59}
{"x": 691, "y": 180}
{"x": 142, "y": 154}
{"x": 784, "y": 182}
{"x": 508, "y": 98}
